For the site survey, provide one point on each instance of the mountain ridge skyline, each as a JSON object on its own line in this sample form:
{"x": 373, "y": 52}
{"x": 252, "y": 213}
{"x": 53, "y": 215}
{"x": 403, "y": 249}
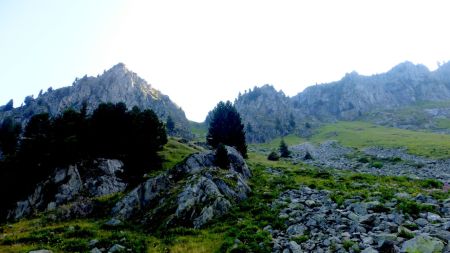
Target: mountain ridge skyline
{"x": 441, "y": 65}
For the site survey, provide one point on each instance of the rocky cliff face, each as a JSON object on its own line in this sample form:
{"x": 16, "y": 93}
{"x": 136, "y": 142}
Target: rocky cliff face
{"x": 355, "y": 95}
{"x": 268, "y": 113}
{"x": 117, "y": 84}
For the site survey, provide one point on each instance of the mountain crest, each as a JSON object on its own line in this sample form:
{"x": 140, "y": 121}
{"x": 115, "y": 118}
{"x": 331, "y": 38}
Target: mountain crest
{"x": 115, "y": 85}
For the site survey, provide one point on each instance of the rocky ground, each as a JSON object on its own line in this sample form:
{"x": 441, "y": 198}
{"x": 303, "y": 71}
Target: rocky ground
{"x": 394, "y": 162}
{"x": 317, "y": 224}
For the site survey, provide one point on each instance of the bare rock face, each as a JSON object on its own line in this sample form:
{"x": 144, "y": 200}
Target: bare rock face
{"x": 355, "y": 94}
{"x": 73, "y": 184}
{"x": 190, "y": 194}
{"x": 268, "y": 113}
{"x": 118, "y": 84}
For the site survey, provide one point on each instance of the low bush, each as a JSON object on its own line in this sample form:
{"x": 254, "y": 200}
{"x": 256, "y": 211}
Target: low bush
{"x": 376, "y": 164}
{"x": 273, "y": 156}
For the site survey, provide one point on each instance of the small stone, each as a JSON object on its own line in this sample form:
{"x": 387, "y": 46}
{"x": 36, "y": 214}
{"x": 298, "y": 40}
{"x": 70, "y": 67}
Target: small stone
{"x": 326, "y": 242}
{"x": 367, "y": 219}
{"x": 311, "y": 223}
{"x": 421, "y": 222}
{"x": 432, "y": 217}
{"x": 41, "y": 251}
{"x": 402, "y": 195}
{"x": 447, "y": 226}
{"x": 352, "y": 216}
{"x": 310, "y": 203}
{"x": 381, "y": 238}
{"x": 92, "y": 243}
{"x": 367, "y": 240}
{"x": 95, "y": 250}
{"x": 369, "y": 250}
{"x": 113, "y": 222}
{"x": 309, "y": 245}
{"x": 345, "y": 235}
{"x": 294, "y": 247}
{"x": 116, "y": 248}
{"x": 268, "y": 228}
{"x": 296, "y": 230}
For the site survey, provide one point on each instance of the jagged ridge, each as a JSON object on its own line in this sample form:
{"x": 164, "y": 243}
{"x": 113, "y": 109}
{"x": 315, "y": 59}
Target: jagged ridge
{"x": 268, "y": 113}
{"x": 117, "y": 84}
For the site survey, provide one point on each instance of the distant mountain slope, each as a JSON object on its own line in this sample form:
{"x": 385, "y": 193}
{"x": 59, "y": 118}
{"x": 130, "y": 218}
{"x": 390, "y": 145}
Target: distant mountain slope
{"x": 355, "y": 95}
{"x": 268, "y": 113}
{"x": 117, "y": 84}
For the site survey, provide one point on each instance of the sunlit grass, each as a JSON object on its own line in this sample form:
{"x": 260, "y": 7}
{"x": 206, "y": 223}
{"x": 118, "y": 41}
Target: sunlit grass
{"x": 175, "y": 151}
{"x": 275, "y": 143}
{"x": 361, "y": 134}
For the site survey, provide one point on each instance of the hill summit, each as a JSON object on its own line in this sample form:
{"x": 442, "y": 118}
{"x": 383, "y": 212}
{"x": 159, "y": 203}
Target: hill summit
{"x": 117, "y": 84}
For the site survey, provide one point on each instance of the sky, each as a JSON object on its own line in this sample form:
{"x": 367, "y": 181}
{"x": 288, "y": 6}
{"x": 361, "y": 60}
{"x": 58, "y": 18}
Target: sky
{"x": 202, "y": 52}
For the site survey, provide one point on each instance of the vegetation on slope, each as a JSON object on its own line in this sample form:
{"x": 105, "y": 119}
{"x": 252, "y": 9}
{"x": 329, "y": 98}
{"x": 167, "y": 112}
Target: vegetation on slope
{"x": 251, "y": 215}
{"x": 242, "y": 230}
{"x": 424, "y": 115}
{"x": 358, "y": 134}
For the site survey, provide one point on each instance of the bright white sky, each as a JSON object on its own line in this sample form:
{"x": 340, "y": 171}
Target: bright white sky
{"x": 201, "y": 52}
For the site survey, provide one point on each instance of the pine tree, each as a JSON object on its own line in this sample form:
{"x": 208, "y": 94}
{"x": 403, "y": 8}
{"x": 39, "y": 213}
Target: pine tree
{"x": 9, "y": 135}
{"x": 226, "y": 127}
{"x": 170, "y": 125}
{"x": 284, "y": 150}
{"x": 221, "y": 158}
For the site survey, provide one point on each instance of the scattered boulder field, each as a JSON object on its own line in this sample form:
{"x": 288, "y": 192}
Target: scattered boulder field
{"x": 315, "y": 223}
{"x": 372, "y": 160}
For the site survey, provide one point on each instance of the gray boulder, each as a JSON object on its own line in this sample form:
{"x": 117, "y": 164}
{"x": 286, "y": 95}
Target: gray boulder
{"x": 424, "y": 244}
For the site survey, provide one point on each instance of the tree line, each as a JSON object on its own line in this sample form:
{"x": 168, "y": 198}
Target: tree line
{"x": 112, "y": 131}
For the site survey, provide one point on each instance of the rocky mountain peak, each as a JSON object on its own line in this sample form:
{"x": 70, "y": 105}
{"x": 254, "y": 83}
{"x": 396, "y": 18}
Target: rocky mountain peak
{"x": 115, "y": 85}
{"x": 409, "y": 69}
{"x": 119, "y": 67}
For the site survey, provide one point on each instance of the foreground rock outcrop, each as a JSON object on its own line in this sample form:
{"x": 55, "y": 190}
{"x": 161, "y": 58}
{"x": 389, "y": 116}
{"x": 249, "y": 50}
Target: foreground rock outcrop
{"x": 191, "y": 194}
{"x": 73, "y": 185}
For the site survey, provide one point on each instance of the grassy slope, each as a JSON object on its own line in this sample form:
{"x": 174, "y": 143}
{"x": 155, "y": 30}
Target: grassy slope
{"x": 247, "y": 220}
{"x": 199, "y": 130}
{"x": 416, "y": 113}
{"x": 175, "y": 151}
{"x": 275, "y": 143}
{"x": 361, "y": 134}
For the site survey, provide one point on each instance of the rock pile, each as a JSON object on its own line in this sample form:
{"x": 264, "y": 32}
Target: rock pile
{"x": 317, "y": 224}
{"x": 395, "y": 162}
